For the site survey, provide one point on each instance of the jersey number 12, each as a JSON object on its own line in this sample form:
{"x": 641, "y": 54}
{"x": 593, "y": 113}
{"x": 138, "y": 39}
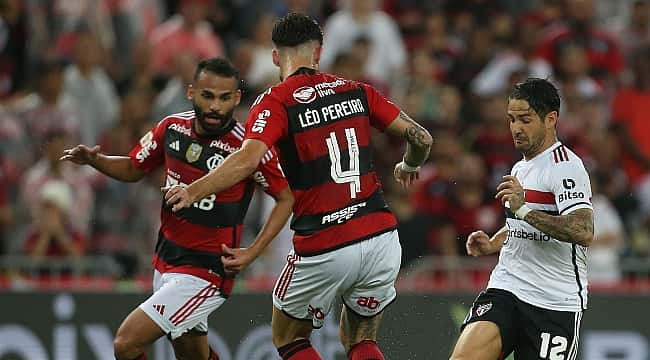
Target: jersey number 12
{"x": 352, "y": 174}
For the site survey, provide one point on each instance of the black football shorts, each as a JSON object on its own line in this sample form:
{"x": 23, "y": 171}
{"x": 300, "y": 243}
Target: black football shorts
{"x": 531, "y": 332}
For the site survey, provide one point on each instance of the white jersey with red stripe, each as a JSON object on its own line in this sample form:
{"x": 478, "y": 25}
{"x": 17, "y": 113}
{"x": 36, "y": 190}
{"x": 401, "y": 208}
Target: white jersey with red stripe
{"x": 535, "y": 267}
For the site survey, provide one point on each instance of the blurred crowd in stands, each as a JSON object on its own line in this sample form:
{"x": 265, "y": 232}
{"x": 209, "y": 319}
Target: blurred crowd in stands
{"x": 103, "y": 71}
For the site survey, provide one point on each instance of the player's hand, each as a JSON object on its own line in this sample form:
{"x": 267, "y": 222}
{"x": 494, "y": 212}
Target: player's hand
{"x": 81, "y": 154}
{"x": 178, "y": 196}
{"x": 478, "y": 244}
{"x": 236, "y": 260}
{"x": 510, "y": 190}
{"x": 404, "y": 176}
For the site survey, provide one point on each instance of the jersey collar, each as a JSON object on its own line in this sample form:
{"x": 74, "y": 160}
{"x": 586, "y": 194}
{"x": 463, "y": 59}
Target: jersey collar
{"x": 548, "y": 150}
{"x": 304, "y": 70}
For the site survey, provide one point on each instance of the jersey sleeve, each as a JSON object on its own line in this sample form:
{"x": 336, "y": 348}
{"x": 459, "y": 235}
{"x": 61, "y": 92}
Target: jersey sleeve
{"x": 269, "y": 174}
{"x": 267, "y": 121}
{"x": 382, "y": 111}
{"x": 149, "y": 153}
{"x": 571, "y": 187}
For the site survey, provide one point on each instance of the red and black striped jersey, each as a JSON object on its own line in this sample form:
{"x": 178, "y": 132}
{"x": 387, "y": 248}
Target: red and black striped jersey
{"x": 321, "y": 126}
{"x": 190, "y": 240}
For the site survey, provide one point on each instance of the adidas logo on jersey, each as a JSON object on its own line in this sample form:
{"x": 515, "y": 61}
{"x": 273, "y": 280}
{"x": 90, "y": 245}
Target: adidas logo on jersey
{"x": 176, "y": 145}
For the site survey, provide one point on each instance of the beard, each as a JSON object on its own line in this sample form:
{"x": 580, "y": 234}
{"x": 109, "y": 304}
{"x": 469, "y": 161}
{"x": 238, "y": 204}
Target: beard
{"x": 209, "y": 128}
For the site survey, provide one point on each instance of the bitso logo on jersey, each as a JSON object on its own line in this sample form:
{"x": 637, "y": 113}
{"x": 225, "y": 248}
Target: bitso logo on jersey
{"x": 305, "y": 94}
{"x": 193, "y": 152}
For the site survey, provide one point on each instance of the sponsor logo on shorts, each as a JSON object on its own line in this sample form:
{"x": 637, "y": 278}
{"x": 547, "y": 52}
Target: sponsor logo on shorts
{"x": 368, "y": 302}
{"x": 482, "y": 309}
{"x": 316, "y": 312}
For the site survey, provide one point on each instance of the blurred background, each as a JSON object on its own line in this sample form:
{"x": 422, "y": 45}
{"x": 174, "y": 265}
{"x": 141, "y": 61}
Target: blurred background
{"x": 104, "y": 71}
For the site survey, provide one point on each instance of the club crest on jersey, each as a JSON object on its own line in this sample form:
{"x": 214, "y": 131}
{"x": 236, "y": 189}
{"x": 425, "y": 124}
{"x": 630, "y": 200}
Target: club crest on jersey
{"x": 482, "y": 309}
{"x": 214, "y": 161}
{"x": 305, "y": 94}
{"x": 193, "y": 152}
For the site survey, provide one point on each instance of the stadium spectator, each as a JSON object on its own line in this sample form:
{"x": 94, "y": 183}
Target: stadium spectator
{"x": 363, "y": 18}
{"x": 185, "y": 33}
{"x": 173, "y": 97}
{"x": 13, "y": 47}
{"x": 609, "y": 241}
{"x": 48, "y": 168}
{"x": 93, "y": 90}
{"x": 49, "y": 106}
{"x": 52, "y": 235}
{"x": 603, "y": 52}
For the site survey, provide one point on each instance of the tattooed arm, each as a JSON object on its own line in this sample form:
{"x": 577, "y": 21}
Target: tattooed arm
{"x": 418, "y": 145}
{"x": 576, "y": 227}
{"x": 418, "y": 139}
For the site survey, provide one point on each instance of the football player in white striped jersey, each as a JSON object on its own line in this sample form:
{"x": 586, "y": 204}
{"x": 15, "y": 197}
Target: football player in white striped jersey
{"x": 537, "y": 292}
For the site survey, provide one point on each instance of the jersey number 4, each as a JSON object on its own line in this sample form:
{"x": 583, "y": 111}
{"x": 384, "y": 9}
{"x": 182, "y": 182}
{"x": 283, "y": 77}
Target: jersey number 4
{"x": 352, "y": 174}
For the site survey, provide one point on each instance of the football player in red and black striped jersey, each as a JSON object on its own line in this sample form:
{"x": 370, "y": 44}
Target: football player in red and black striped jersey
{"x": 197, "y": 253}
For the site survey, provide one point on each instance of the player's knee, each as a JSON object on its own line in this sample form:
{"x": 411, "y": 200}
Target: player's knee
{"x": 124, "y": 348}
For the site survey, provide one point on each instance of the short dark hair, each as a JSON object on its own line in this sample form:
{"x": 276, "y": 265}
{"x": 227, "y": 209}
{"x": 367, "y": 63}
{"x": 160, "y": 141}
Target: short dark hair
{"x": 219, "y": 66}
{"x": 295, "y": 29}
{"x": 541, "y": 95}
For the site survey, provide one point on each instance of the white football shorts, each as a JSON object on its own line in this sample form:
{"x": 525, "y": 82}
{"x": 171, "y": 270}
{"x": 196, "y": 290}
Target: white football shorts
{"x": 362, "y": 274}
{"x": 181, "y": 302}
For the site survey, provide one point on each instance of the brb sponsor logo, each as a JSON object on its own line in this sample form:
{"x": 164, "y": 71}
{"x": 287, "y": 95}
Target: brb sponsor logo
{"x": 368, "y": 302}
{"x": 147, "y": 144}
{"x": 570, "y": 184}
{"x": 533, "y": 235}
{"x": 342, "y": 215}
{"x": 305, "y": 94}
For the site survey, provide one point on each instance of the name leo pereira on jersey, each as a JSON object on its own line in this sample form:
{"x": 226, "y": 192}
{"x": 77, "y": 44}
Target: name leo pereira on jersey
{"x": 331, "y": 112}
{"x": 343, "y": 214}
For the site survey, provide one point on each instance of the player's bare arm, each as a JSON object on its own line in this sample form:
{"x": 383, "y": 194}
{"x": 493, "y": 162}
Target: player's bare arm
{"x": 479, "y": 243}
{"x": 418, "y": 146}
{"x": 576, "y": 227}
{"x": 234, "y": 169}
{"x": 236, "y": 260}
{"x": 117, "y": 167}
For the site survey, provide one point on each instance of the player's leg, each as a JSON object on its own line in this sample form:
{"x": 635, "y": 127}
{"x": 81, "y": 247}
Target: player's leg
{"x": 359, "y": 335}
{"x": 189, "y": 331}
{"x": 291, "y": 336}
{"x": 134, "y": 336}
{"x": 490, "y": 330}
{"x": 193, "y": 345}
{"x": 372, "y": 292}
{"x": 479, "y": 340}
{"x": 138, "y": 330}
{"x": 303, "y": 296}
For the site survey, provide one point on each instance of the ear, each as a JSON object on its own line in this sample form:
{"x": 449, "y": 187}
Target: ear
{"x": 190, "y": 92}
{"x": 316, "y": 54}
{"x": 551, "y": 120}
{"x": 276, "y": 57}
{"x": 237, "y": 97}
